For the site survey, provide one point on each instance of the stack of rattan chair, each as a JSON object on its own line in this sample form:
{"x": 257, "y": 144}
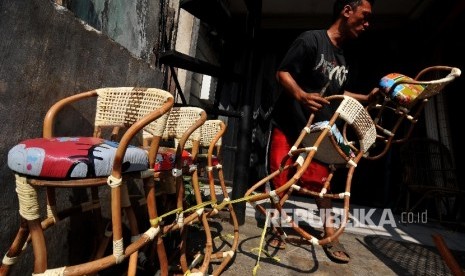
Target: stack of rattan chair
{"x": 165, "y": 187}
{"x": 53, "y": 163}
{"x": 192, "y": 146}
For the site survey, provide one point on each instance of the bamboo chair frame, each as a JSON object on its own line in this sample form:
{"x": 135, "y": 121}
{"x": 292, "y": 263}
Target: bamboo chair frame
{"x": 367, "y": 130}
{"x": 211, "y": 140}
{"x": 354, "y": 114}
{"x": 184, "y": 128}
{"x": 410, "y": 113}
{"x": 429, "y": 171}
{"x": 129, "y": 108}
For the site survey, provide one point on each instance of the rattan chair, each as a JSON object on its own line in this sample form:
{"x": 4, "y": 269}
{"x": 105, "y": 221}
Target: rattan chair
{"x": 429, "y": 173}
{"x": 172, "y": 164}
{"x": 323, "y": 141}
{"x": 325, "y": 144}
{"x": 397, "y": 112}
{"x": 68, "y": 162}
{"x": 211, "y": 141}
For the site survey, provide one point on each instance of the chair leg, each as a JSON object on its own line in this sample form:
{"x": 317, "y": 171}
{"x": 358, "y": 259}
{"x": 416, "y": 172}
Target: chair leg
{"x": 447, "y": 256}
{"x": 118, "y": 247}
{"x": 102, "y": 237}
{"x": 227, "y": 256}
{"x": 149, "y": 186}
{"x": 38, "y": 246}
{"x": 29, "y": 210}
{"x": 16, "y": 248}
{"x": 183, "y": 248}
{"x": 103, "y": 243}
{"x": 32, "y": 228}
{"x": 132, "y": 220}
{"x": 203, "y": 219}
{"x": 38, "y": 243}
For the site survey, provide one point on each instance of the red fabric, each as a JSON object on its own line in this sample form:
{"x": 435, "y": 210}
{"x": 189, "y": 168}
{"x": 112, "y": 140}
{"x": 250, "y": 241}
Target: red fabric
{"x": 55, "y": 157}
{"x": 72, "y": 157}
{"x": 215, "y": 161}
{"x": 312, "y": 179}
{"x": 166, "y": 159}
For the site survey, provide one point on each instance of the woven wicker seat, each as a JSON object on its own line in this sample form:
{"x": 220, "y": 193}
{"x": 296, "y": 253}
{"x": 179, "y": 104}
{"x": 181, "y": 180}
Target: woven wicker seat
{"x": 321, "y": 143}
{"x": 403, "y": 102}
{"x": 67, "y": 162}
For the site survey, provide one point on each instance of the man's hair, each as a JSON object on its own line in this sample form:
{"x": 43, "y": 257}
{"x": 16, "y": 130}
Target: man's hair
{"x": 340, "y": 4}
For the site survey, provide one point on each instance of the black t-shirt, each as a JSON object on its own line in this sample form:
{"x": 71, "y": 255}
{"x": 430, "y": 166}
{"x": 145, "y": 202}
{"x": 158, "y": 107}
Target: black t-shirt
{"x": 313, "y": 61}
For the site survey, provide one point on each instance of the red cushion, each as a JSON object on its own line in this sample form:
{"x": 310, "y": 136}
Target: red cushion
{"x": 72, "y": 157}
{"x": 215, "y": 161}
{"x": 166, "y": 159}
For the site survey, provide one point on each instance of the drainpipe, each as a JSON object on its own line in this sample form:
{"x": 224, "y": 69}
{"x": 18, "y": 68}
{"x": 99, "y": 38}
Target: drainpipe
{"x": 242, "y": 169}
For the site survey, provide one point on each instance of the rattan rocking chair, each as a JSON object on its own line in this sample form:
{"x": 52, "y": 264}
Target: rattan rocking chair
{"x": 68, "y": 162}
{"x": 324, "y": 143}
{"x": 328, "y": 146}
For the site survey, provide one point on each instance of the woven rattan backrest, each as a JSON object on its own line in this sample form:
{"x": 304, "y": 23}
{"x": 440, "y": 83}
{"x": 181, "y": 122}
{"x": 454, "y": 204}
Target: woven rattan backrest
{"x": 436, "y": 86}
{"x": 355, "y": 115}
{"x": 180, "y": 120}
{"x": 209, "y": 131}
{"x": 123, "y": 106}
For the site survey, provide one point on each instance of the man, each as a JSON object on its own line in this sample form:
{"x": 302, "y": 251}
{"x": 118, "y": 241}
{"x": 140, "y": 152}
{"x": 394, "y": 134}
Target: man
{"x": 315, "y": 60}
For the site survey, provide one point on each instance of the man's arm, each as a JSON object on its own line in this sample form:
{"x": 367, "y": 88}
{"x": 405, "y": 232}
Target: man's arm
{"x": 361, "y": 97}
{"x": 312, "y": 100}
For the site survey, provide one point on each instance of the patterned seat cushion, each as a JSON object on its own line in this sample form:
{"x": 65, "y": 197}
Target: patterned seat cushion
{"x": 166, "y": 159}
{"x": 72, "y": 157}
{"x": 403, "y": 94}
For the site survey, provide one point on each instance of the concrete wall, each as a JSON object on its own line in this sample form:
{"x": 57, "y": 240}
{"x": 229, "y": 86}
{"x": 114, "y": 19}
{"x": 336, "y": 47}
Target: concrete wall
{"x": 46, "y": 53}
{"x": 187, "y": 27}
{"x": 133, "y": 24}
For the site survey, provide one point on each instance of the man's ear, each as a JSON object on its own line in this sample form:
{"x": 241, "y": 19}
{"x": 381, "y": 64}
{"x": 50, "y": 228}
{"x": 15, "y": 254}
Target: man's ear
{"x": 347, "y": 11}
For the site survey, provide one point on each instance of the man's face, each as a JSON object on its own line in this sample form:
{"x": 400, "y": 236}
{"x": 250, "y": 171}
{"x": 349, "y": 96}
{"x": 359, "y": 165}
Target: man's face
{"x": 358, "y": 19}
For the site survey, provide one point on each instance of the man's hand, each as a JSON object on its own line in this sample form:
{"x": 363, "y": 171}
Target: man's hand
{"x": 313, "y": 101}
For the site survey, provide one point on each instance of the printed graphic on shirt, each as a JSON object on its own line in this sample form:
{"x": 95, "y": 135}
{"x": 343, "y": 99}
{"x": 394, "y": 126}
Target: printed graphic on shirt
{"x": 332, "y": 71}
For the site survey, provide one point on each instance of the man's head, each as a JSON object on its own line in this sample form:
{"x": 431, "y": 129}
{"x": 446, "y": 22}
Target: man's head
{"x": 354, "y": 14}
